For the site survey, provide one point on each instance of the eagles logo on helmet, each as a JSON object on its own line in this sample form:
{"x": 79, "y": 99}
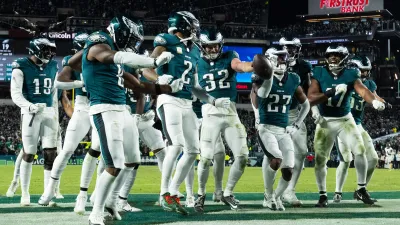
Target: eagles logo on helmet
{"x": 126, "y": 33}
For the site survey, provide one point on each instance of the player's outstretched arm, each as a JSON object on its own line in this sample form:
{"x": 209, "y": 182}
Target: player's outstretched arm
{"x": 150, "y": 74}
{"x": 68, "y": 109}
{"x": 134, "y": 84}
{"x": 367, "y": 95}
{"x": 314, "y": 94}
{"x": 64, "y": 82}
{"x": 304, "y": 105}
{"x": 240, "y": 66}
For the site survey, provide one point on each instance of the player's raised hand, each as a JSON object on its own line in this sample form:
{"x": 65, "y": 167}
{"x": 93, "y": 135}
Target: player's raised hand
{"x": 176, "y": 85}
{"x": 341, "y": 88}
{"x": 164, "y": 58}
{"x": 378, "y": 105}
{"x": 222, "y": 103}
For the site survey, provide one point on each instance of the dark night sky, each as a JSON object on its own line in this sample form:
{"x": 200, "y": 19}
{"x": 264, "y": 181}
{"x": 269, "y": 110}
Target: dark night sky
{"x": 283, "y": 12}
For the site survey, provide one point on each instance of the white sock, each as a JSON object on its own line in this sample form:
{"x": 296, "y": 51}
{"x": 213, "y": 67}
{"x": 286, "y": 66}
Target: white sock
{"x": 105, "y": 182}
{"x": 88, "y": 167}
{"x": 26, "y": 172}
{"x": 189, "y": 180}
{"x": 46, "y": 178}
{"x": 371, "y": 169}
{"x": 361, "y": 164}
{"x": 265, "y": 165}
{"x": 100, "y": 169}
{"x": 182, "y": 170}
{"x": 269, "y": 179}
{"x": 203, "y": 170}
{"x": 341, "y": 175}
{"x": 168, "y": 166}
{"x": 320, "y": 175}
{"x": 119, "y": 182}
{"x": 129, "y": 181}
{"x": 282, "y": 185}
{"x": 17, "y": 166}
{"x": 160, "y": 158}
{"x": 218, "y": 170}
{"x": 297, "y": 169}
{"x": 60, "y": 163}
{"x": 58, "y": 185}
{"x": 237, "y": 169}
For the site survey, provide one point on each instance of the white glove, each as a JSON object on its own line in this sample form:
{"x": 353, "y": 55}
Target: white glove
{"x": 164, "y": 79}
{"x": 147, "y": 116}
{"x": 176, "y": 85}
{"x": 36, "y": 108}
{"x": 222, "y": 103}
{"x": 318, "y": 119}
{"x": 341, "y": 88}
{"x": 378, "y": 105}
{"x": 292, "y": 129}
{"x": 164, "y": 58}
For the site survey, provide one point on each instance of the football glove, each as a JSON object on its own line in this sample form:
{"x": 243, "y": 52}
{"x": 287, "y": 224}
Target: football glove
{"x": 378, "y": 105}
{"x": 341, "y": 88}
{"x": 164, "y": 79}
{"x": 149, "y": 115}
{"x": 164, "y": 58}
{"x": 222, "y": 103}
{"x": 292, "y": 129}
{"x": 318, "y": 119}
{"x": 37, "y": 108}
{"x": 176, "y": 85}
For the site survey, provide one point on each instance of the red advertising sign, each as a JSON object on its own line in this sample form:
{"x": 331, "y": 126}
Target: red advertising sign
{"x": 319, "y": 7}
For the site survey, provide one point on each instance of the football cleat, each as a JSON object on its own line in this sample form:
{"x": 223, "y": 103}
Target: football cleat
{"x": 337, "y": 197}
{"x": 290, "y": 198}
{"x": 167, "y": 202}
{"x": 80, "y": 204}
{"x": 123, "y": 205}
{"x": 46, "y": 200}
{"x": 217, "y": 196}
{"x": 279, "y": 204}
{"x": 25, "y": 200}
{"x": 178, "y": 207}
{"x": 322, "y": 202}
{"x": 356, "y": 197}
{"x": 363, "y": 195}
{"x": 230, "y": 201}
{"x": 180, "y": 195}
{"x": 58, "y": 195}
{"x": 12, "y": 189}
{"x": 96, "y": 219}
{"x": 269, "y": 201}
{"x": 112, "y": 208}
{"x": 199, "y": 204}
{"x": 189, "y": 203}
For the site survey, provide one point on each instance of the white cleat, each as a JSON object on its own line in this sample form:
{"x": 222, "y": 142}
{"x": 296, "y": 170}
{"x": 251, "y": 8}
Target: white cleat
{"x": 189, "y": 203}
{"x": 59, "y": 195}
{"x": 46, "y": 200}
{"x": 25, "y": 200}
{"x": 180, "y": 195}
{"x": 12, "y": 189}
{"x": 290, "y": 198}
{"x": 123, "y": 205}
{"x": 217, "y": 196}
{"x": 112, "y": 208}
{"x": 337, "y": 198}
{"x": 80, "y": 204}
{"x": 96, "y": 219}
{"x": 269, "y": 201}
{"x": 279, "y": 204}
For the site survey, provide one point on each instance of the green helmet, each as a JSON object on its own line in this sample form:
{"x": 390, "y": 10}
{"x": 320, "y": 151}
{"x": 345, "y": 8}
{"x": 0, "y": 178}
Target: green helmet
{"x": 186, "y": 23}
{"x": 42, "y": 49}
{"x": 211, "y": 37}
{"x": 363, "y": 64}
{"x": 79, "y": 41}
{"x": 126, "y": 33}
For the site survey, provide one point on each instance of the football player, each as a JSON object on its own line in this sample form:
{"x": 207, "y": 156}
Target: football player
{"x": 105, "y": 82}
{"x": 303, "y": 69}
{"x": 331, "y": 88}
{"x": 217, "y": 75}
{"x": 32, "y": 89}
{"x": 357, "y": 105}
{"x": 274, "y": 130}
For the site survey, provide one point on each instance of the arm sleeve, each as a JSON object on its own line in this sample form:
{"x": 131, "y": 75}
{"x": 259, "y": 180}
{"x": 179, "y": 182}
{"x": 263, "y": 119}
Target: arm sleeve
{"x": 68, "y": 85}
{"x": 265, "y": 88}
{"x": 304, "y": 109}
{"x": 200, "y": 93}
{"x": 18, "y": 98}
{"x": 134, "y": 60}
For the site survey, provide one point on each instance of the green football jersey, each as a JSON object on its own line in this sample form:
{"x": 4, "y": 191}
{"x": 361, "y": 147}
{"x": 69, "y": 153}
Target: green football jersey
{"x": 103, "y": 82}
{"x": 338, "y": 105}
{"x": 38, "y": 81}
{"x": 183, "y": 65}
{"x": 217, "y": 77}
{"x": 197, "y": 108}
{"x": 358, "y": 104}
{"x": 301, "y": 68}
{"x": 274, "y": 110}
{"x": 131, "y": 99}
{"x": 75, "y": 76}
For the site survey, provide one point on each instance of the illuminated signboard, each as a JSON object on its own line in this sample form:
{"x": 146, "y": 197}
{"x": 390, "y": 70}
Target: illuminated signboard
{"x": 320, "y": 7}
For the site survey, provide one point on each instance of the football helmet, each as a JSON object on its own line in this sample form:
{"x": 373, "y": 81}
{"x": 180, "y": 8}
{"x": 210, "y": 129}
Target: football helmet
{"x": 79, "y": 41}
{"x": 293, "y": 47}
{"x": 186, "y": 23}
{"x": 42, "y": 49}
{"x": 336, "y": 58}
{"x": 363, "y": 64}
{"x": 278, "y": 59}
{"x": 126, "y": 33}
{"x": 211, "y": 43}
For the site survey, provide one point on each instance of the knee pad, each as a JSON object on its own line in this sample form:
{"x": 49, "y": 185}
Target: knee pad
{"x": 49, "y": 155}
{"x": 206, "y": 162}
{"x": 287, "y": 173}
{"x": 242, "y": 161}
{"x": 94, "y": 153}
{"x": 275, "y": 163}
{"x": 28, "y": 157}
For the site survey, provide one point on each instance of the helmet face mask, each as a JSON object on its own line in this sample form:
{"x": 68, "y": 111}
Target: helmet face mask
{"x": 336, "y": 58}
{"x": 212, "y": 43}
{"x": 42, "y": 49}
{"x": 126, "y": 33}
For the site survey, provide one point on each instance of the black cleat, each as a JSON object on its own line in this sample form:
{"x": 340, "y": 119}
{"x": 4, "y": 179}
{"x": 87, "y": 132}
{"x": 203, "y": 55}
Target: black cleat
{"x": 199, "y": 204}
{"x": 322, "y": 202}
{"x": 230, "y": 201}
{"x": 363, "y": 195}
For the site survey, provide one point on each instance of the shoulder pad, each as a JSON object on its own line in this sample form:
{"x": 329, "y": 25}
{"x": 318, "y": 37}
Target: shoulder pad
{"x": 234, "y": 54}
{"x": 15, "y": 65}
{"x": 296, "y": 78}
{"x": 97, "y": 37}
{"x": 65, "y": 60}
{"x": 316, "y": 72}
{"x": 307, "y": 65}
{"x": 163, "y": 39}
{"x": 373, "y": 85}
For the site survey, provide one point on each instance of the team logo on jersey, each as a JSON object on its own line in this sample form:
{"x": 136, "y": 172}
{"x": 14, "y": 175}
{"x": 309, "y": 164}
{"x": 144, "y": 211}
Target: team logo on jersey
{"x": 97, "y": 38}
{"x": 179, "y": 50}
{"x": 160, "y": 40}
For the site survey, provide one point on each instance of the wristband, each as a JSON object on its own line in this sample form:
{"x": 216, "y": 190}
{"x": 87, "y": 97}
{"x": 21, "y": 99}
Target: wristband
{"x": 155, "y": 63}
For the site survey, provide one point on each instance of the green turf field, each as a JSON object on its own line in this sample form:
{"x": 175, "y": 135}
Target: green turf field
{"x": 384, "y": 186}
